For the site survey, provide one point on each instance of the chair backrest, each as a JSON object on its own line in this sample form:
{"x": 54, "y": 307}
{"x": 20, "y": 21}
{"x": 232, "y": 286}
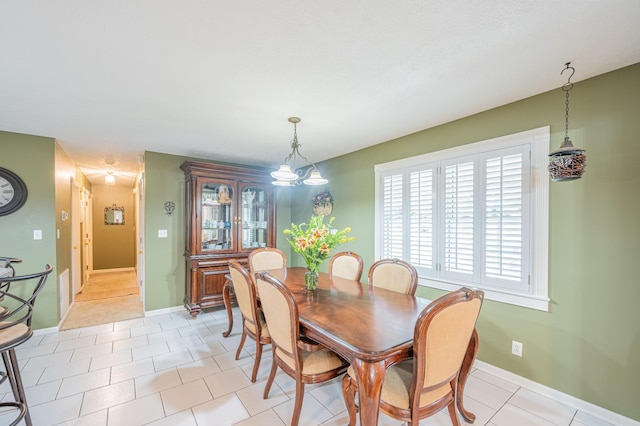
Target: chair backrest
{"x": 347, "y": 265}
{"x": 6, "y": 271}
{"x": 281, "y": 313}
{"x": 394, "y": 274}
{"x": 264, "y": 258}
{"x": 19, "y": 302}
{"x": 441, "y": 336}
{"x": 245, "y": 291}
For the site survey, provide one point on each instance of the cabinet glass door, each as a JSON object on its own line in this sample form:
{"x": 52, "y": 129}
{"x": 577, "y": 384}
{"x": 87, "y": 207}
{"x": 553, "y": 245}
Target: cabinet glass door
{"x": 255, "y": 217}
{"x": 217, "y": 217}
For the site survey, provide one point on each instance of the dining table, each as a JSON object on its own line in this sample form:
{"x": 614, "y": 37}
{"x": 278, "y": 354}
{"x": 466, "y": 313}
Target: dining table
{"x": 370, "y": 327}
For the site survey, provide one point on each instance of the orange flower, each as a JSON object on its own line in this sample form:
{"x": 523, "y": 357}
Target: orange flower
{"x": 302, "y": 243}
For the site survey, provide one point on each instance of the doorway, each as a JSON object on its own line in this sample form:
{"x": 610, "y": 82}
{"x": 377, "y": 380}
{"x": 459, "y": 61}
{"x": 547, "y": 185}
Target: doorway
{"x": 107, "y": 255}
{"x": 109, "y": 295}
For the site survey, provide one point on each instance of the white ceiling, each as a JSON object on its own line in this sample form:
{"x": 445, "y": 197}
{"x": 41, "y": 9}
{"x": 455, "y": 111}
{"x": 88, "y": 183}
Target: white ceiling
{"x": 218, "y": 79}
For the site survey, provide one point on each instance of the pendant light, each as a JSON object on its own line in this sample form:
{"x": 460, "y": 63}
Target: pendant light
{"x": 287, "y": 176}
{"x": 567, "y": 162}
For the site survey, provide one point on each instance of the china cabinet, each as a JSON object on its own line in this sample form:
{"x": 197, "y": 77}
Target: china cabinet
{"x": 230, "y": 211}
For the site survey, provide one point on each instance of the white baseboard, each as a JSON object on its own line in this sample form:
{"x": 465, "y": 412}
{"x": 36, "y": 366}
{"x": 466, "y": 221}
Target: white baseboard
{"x": 49, "y": 330}
{"x": 572, "y": 401}
{"x": 163, "y": 311}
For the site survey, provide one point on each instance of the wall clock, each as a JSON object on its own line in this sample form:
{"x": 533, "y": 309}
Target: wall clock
{"x": 13, "y": 192}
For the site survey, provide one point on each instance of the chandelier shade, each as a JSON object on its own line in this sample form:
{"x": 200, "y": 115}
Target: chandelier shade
{"x": 286, "y": 175}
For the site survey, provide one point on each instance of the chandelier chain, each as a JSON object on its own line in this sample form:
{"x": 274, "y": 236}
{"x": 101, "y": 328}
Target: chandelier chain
{"x": 566, "y": 115}
{"x": 566, "y": 88}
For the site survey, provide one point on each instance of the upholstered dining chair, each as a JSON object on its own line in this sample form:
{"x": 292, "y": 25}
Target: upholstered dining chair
{"x": 420, "y": 386}
{"x": 346, "y": 264}
{"x": 305, "y": 361}
{"x": 253, "y": 324}
{"x": 15, "y": 329}
{"x": 394, "y": 274}
{"x": 264, "y": 258}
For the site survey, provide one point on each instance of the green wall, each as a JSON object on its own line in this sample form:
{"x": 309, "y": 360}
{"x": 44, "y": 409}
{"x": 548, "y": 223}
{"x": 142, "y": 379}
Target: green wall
{"x": 164, "y": 257}
{"x": 588, "y": 345}
{"x": 33, "y": 159}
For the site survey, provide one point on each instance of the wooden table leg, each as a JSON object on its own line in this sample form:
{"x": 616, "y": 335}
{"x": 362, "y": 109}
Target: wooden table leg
{"x": 370, "y": 376}
{"x": 226, "y": 297}
{"x": 467, "y": 363}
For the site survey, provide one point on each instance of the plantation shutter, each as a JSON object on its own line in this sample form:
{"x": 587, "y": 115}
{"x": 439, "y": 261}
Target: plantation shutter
{"x": 458, "y": 177}
{"x": 421, "y": 219}
{"x": 506, "y": 212}
{"x": 392, "y": 216}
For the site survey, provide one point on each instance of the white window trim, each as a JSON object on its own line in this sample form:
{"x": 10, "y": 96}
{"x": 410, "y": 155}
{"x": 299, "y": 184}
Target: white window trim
{"x": 539, "y": 138}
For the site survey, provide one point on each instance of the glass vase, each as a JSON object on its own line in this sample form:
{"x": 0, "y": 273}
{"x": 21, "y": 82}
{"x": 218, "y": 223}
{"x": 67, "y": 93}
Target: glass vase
{"x": 311, "y": 280}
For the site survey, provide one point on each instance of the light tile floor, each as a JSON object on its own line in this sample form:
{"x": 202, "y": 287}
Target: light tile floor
{"x": 172, "y": 370}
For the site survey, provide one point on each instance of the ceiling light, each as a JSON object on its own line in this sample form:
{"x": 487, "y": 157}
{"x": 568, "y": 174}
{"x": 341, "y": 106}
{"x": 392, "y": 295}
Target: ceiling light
{"x": 287, "y": 176}
{"x": 567, "y": 163}
{"x": 109, "y": 179}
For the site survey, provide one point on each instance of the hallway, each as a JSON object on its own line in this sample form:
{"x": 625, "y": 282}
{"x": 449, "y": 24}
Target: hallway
{"x": 109, "y": 296}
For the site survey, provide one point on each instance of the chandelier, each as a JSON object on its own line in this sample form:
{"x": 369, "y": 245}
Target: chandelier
{"x": 109, "y": 179}
{"x": 287, "y": 176}
{"x": 567, "y": 163}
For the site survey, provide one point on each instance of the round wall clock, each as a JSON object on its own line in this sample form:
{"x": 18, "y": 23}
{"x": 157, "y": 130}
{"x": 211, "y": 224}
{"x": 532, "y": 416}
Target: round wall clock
{"x": 13, "y": 192}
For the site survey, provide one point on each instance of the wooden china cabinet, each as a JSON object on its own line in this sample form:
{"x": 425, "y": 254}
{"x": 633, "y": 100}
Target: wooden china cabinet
{"x": 229, "y": 212}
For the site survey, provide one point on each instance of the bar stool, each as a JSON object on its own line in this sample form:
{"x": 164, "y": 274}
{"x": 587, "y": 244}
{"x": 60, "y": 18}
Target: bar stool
{"x": 6, "y": 271}
{"x": 15, "y": 329}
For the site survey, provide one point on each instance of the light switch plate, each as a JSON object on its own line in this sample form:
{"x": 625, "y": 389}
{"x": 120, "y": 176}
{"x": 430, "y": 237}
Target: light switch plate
{"x": 37, "y": 234}
{"x": 162, "y": 233}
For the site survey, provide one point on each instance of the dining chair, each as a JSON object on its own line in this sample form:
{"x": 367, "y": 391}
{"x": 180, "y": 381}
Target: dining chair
{"x": 264, "y": 258}
{"x": 394, "y": 274}
{"x": 15, "y": 329}
{"x": 305, "y": 361}
{"x": 253, "y": 324}
{"x": 420, "y": 386}
{"x": 346, "y": 264}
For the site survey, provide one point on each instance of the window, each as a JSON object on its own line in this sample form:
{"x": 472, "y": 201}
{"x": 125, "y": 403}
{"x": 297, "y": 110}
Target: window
{"x": 475, "y": 215}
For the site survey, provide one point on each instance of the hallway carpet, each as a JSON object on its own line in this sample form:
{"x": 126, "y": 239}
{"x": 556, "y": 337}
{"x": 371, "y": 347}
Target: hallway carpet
{"x": 107, "y": 297}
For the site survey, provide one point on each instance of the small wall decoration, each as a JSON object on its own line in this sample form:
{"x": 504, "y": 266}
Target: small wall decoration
{"x": 323, "y": 203}
{"x": 169, "y": 207}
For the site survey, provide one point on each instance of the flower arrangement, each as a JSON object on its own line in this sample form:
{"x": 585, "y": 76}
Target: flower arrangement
{"x": 323, "y": 199}
{"x": 314, "y": 242}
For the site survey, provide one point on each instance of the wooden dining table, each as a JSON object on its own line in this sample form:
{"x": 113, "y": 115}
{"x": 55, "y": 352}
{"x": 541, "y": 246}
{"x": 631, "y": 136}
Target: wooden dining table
{"x": 371, "y": 328}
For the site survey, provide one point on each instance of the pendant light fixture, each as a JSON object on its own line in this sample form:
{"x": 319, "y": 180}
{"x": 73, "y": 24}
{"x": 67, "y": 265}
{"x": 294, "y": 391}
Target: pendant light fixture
{"x": 287, "y": 176}
{"x": 109, "y": 179}
{"x": 567, "y": 162}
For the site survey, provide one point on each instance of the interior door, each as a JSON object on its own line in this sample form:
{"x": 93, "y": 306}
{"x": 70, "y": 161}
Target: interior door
{"x": 140, "y": 237}
{"x": 87, "y": 235}
{"x": 76, "y": 238}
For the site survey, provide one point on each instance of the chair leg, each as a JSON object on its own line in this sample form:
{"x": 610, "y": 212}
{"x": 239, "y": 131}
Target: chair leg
{"x": 349, "y": 395}
{"x": 272, "y": 375}
{"x": 297, "y": 406}
{"x": 242, "y": 339}
{"x": 13, "y": 374}
{"x": 256, "y": 363}
{"x": 453, "y": 414}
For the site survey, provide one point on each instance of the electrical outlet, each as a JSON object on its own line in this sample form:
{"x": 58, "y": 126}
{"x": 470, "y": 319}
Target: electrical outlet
{"x": 516, "y": 348}
{"x": 162, "y": 233}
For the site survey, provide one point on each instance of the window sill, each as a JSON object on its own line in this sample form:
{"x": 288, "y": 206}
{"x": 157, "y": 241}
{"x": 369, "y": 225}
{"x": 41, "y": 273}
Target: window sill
{"x": 517, "y": 299}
